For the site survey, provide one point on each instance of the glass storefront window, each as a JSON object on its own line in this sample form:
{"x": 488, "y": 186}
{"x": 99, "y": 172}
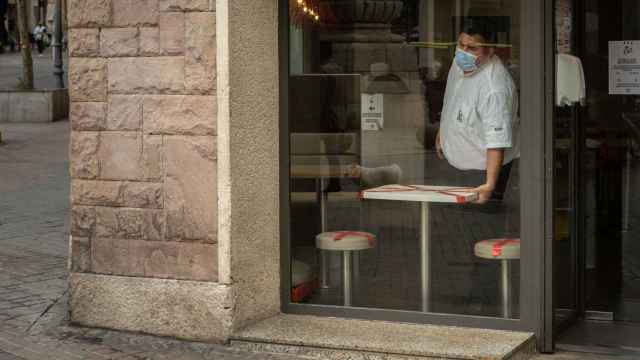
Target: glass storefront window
{"x": 396, "y": 111}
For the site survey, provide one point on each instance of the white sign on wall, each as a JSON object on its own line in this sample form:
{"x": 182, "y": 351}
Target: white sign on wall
{"x": 624, "y": 67}
{"x": 372, "y": 112}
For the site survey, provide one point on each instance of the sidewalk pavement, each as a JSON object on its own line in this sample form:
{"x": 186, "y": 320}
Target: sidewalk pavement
{"x": 34, "y": 226}
{"x": 43, "y": 78}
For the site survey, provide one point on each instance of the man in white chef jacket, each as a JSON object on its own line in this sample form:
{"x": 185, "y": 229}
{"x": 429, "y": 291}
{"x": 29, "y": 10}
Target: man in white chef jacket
{"x": 479, "y": 128}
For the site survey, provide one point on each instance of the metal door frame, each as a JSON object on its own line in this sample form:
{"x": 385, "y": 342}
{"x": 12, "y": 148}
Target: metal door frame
{"x": 536, "y": 112}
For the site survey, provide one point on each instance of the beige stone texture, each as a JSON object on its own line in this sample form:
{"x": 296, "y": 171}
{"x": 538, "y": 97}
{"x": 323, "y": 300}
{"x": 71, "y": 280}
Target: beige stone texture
{"x": 113, "y": 257}
{"x": 200, "y": 53}
{"x": 87, "y": 79}
{"x": 84, "y": 42}
{"x": 184, "y": 5}
{"x": 120, "y": 156}
{"x": 83, "y": 221}
{"x": 119, "y": 42}
{"x": 339, "y": 338}
{"x": 126, "y": 156}
{"x": 84, "y": 147}
{"x": 80, "y": 256}
{"x": 152, "y": 157}
{"x": 172, "y": 33}
{"x": 135, "y": 12}
{"x": 149, "y": 41}
{"x": 117, "y": 194}
{"x": 156, "y": 259}
{"x": 190, "y": 188}
{"x": 128, "y": 223}
{"x": 89, "y": 13}
{"x": 88, "y": 116}
{"x": 177, "y": 114}
{"x": 146, "y": 75}
{"x": 247, "y": 38}
{"x": 125, "y": 113}
{"x": 193, "y": 310}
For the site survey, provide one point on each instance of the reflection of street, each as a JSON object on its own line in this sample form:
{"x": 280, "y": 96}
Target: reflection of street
{"x": 11, "y": 70}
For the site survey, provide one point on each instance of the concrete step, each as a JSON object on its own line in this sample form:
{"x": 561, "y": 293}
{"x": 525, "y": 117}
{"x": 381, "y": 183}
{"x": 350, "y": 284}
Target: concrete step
{"x": 340, "y": 339}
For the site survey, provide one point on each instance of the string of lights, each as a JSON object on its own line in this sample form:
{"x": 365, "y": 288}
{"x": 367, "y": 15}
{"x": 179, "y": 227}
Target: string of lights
{"x": 310, "y": 8}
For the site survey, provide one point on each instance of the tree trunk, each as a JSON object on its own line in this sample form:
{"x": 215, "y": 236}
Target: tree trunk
{"x": 25, "y": 44}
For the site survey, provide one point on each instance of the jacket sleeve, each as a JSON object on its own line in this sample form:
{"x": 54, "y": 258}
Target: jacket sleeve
{"x": 496, "y": 113}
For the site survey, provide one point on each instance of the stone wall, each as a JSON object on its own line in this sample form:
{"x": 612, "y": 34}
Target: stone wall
{"x": 142, "y": 82}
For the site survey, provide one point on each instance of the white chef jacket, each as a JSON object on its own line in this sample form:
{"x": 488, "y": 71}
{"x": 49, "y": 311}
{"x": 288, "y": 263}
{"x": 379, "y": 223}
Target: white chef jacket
{"x": 479, "y": 113}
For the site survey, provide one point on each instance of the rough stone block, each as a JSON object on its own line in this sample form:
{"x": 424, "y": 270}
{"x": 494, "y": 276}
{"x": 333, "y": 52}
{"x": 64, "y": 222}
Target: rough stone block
{"x": 126, "y": 223}
{"x": 88, "y": 116}
{"x": 83, "y": 221}
{"x": 200, "y": 52}
{"x": 146, "y": 75}
{"x": 152, "y": 160}
{"x": 84, "y": 150}
{"x": 135, "y": 12}
{"x": 149, "y": 41}
{"x": 87, "y": 79}
{"x": 172, "y": 33}
{"x": 84, "y": 42}
{"x": 119, "y": 42}
{"x": 142, "y": 195}
{"x": 184, "y": 5}
{"x": 125, "y": 112}
{"x": 190, "y": 186}
{"x": 164, "y": 260}
{"x": 89, "y": 13}
{"x": 110, "y": 256}
{"x": 128, "y": 156}
{"x": 172, "y": 260}
{"x": 117, "y": 194}
{"x": 177, "y": 114}
{"x": 120, "y": 155}
{"x": 80, "y": 257}
{"x": 196, "y": 310}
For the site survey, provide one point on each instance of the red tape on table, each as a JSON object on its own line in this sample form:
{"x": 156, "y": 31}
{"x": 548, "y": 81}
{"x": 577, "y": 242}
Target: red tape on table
{"x": 449, "y": 192}
{"x": 339, "y": 235}
{"x": 496, "y": 250}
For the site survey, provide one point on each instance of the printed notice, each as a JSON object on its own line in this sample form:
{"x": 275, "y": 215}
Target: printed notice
{"x": 372, "y": 113}
{"x": 624, "y": 67}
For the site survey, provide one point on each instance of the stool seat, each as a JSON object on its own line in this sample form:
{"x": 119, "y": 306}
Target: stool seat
{"x": 500, "y": 249}
{"x": 345, "y": 240}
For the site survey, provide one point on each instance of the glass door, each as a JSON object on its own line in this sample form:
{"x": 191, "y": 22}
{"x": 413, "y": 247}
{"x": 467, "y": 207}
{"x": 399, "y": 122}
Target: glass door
{"x": 405, "y": 127}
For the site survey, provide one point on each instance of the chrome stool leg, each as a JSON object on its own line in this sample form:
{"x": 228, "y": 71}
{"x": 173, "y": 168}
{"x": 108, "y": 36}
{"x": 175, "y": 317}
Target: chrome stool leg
{"x": 506, "y": 289}
{"x": 347, "y": 274}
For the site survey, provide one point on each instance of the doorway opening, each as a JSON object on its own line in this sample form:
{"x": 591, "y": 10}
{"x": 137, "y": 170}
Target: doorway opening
{"x": 597, "y": 179}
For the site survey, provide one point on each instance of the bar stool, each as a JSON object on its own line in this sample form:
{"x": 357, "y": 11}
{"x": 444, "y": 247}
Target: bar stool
{"x": 347, "y": 242}
{"x": 504, "y": 250}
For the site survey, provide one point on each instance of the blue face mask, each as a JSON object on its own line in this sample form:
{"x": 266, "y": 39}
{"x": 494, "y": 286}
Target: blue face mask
{"x": 466, "y": 61}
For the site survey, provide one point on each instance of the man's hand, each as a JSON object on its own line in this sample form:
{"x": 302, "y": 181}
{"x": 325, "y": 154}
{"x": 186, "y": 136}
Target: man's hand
{"x": 439, "y": 146}
{"x": 484, "y": 193}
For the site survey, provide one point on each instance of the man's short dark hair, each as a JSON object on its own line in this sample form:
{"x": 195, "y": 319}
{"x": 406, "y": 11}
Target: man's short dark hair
{"x": 484, "y": 26}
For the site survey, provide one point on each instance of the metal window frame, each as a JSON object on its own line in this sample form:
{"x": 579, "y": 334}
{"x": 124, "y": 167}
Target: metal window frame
{"x": 536, "y": 109}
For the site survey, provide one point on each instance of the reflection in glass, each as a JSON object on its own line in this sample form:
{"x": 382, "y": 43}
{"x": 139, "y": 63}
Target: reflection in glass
{"x": 371, "y": 85}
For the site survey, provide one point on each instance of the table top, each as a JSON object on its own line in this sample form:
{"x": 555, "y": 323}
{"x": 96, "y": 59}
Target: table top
{"x": 421, "y": 193}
